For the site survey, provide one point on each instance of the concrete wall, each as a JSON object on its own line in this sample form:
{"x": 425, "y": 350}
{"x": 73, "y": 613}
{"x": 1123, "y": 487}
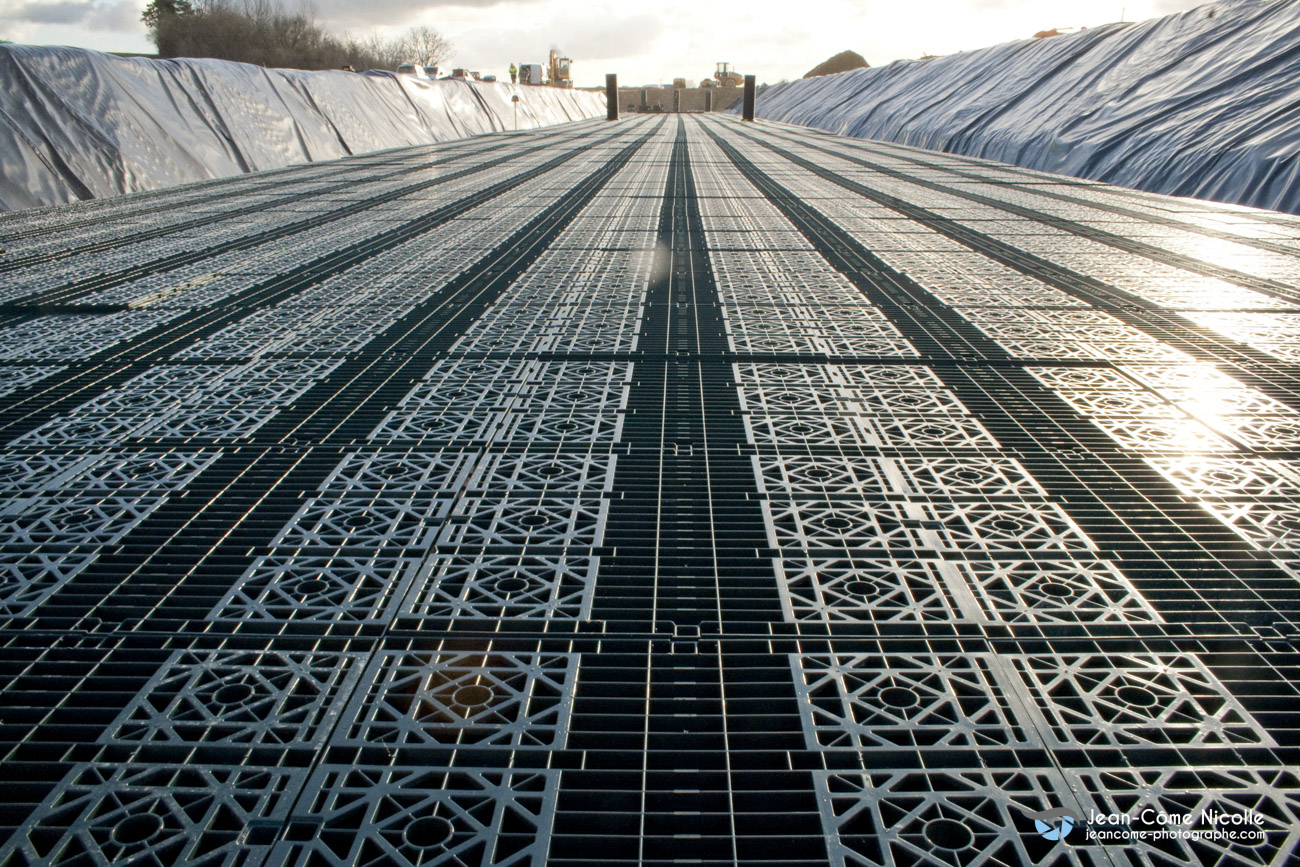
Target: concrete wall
{"x": 632, "y": 100}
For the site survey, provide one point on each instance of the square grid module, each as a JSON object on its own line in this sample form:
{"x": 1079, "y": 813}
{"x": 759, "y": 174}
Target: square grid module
{"x": 673, "y": 490}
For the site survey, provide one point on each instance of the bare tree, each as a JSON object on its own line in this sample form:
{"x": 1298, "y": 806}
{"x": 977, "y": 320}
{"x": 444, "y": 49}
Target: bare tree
{"x": 375, "y": 52}
{"x": 267, "y": 33}
{"x": 425, "y": 45}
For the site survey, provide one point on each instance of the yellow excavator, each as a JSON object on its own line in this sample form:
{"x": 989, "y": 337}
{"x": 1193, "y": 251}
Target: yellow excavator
{"x": 559, "y": 70}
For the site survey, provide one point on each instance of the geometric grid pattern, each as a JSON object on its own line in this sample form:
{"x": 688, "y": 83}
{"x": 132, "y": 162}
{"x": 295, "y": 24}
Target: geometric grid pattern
{"x": 462, "y": 699}
{"x": 957, "y": 818}
{"x": 156, "y": 815}
{"x": 1270, "y": 794}
{"x": 239, "y": 697}
{"x": 915, "y": 701}
{"x": 1133, "y": 699}
{"x": 672, "y": 490}
{"x": 505, "y": 586}
{"x": 932, "y": 702}
{"x": 63, "y": 510}
{"x": 413, "y": 816}
{"x": 881, "y": 530}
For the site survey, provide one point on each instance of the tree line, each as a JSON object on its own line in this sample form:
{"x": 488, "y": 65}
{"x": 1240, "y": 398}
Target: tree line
{"x": 264, "y": 33}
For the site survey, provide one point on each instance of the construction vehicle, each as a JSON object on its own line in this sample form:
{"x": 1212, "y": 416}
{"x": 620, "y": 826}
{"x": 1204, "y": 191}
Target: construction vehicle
{"x": 559, "y": 70}
{"x": 530, "y": 73}
{"x": 727, "y": 77}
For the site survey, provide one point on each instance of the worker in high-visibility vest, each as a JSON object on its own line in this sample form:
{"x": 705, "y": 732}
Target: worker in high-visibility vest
{"x": 514, "y": 74}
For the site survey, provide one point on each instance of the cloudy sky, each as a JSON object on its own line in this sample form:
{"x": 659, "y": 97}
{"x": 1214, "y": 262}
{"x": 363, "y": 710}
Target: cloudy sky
{"x": 643, "y": 42}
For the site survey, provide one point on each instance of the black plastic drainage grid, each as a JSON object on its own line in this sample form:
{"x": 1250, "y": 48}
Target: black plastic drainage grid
{"x": 70, "y": 293}
{"x": 1258, "y": 369}
{"x": 686, "y": 729}
{"x": 618, "y": 788}
{"x": 180, "y": 560}
{"x": 1029, "y": 418}
{"x": 1097, "y": 487}
{"x": 1151, "y": 203}
{"x": 231, "y": 190}
{"x": 1174, "y": 553}
{"x": 1100, "y": 205}
{"x": 337, "y": 409}
{"x": 1031, "y": 176}
{"x": 1276, "y": 288}
{"x": 1168, "y": 327}
{"x": 91, "y": 301}
{"x": 292, "y": 174}
{"x": 90, "y": 377}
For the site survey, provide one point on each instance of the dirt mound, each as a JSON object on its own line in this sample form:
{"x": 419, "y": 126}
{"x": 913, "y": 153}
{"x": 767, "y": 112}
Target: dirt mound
{"x": 842, "y": 62}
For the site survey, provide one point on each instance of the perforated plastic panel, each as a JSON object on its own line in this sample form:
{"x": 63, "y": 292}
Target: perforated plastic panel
{"x": 674, "y": 490}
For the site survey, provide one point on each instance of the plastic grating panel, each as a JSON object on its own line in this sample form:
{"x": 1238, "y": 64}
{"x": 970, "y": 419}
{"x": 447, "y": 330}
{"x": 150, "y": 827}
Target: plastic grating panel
{"x": 1269, "y": 793}
{"x": 927, "y": 702}
{"x": 957, "y": 818}
{"x": 504, "y": 586}
{"x": 239, "y": 697}
{"x": 462, "y": 699}
{"x": 1124, "y": 700}
{"x": 673, "y": 490}
{"x": 156, "y": 814}
{"x": 414, "y": 815}
{"x": 326, "y": 587}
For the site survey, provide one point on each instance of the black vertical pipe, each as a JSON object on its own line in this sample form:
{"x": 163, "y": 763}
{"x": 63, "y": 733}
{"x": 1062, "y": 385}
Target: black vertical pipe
{"x": 749, "y": 98}
{"x": 611, "y": 96}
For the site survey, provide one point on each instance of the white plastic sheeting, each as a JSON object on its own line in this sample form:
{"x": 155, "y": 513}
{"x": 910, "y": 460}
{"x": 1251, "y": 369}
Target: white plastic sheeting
{"x": 78, "y": 124}
{"x": 1203, "y": 103}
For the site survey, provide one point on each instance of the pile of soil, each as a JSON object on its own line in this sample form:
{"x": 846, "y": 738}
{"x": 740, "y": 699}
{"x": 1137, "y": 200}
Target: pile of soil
{"x": 842, "y": 62}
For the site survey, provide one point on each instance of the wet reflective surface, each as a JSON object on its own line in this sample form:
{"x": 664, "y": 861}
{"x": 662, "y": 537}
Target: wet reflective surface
{"x": 678, "y": 490}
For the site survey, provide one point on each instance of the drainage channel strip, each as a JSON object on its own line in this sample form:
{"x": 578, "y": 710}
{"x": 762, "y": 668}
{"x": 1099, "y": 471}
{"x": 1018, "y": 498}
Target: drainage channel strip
{"x": 1112, "y": 496}
{"x": 12, "y": 262}
{"x": 89, "y": 378}
{"x": 1170, "y": 328}
{"x": 67, "y": 294}
{"x": 684, "y": 564}
{"x": 178, "y": 562}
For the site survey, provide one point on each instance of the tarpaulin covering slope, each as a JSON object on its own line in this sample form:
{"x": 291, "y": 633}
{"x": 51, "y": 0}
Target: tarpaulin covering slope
{"x": 1204, "y": 103}
{"x": 77, "y": 124}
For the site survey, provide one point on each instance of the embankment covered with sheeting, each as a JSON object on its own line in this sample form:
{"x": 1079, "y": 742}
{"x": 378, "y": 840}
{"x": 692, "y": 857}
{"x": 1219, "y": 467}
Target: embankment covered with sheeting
{"x": 77, "y": 124}
{"x": 1202, "y": 103}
